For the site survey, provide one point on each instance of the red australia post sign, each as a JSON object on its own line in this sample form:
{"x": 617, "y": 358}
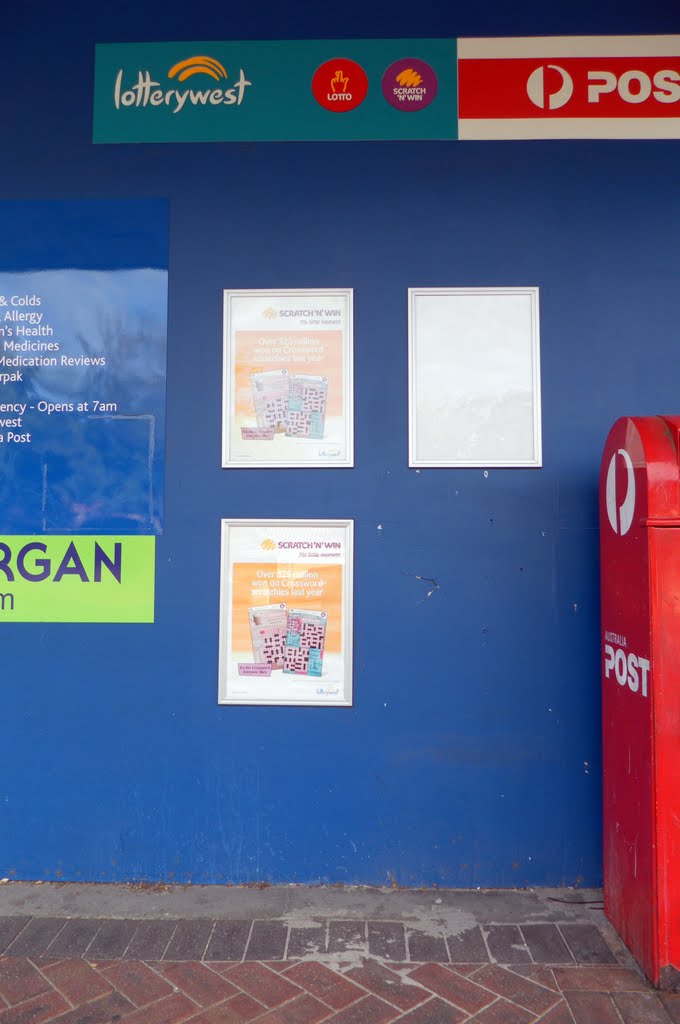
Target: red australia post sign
{"x": 569, "y": 87}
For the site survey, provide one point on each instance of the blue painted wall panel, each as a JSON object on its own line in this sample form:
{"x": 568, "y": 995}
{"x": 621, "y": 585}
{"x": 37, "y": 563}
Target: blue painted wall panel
{"x": 83, "y": 337}
{"x": 472, "y": 753}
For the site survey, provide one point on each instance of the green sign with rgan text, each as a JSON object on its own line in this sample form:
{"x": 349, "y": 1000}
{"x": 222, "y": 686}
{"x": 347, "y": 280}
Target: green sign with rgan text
{"x": 77, "y": 579}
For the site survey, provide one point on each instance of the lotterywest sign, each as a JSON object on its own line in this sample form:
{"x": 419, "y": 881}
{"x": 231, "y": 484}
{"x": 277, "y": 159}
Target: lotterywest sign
{"x": 77, "y": 579}
{"x": 614, "y": 87}
{"x": 314, "y": 89}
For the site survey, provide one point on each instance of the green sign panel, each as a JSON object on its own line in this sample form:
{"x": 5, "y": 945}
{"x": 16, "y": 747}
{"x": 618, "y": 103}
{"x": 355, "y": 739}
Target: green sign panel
{"x": 348, "y": 89}
{"x": 77, "y": 579}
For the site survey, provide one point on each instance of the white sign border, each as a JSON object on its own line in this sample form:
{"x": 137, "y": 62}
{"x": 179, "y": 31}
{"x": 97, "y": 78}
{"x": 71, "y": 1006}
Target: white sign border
{"x": 413, "y": 461}
{"x": 228, "y": 378}
{"x": 223, "y": 697}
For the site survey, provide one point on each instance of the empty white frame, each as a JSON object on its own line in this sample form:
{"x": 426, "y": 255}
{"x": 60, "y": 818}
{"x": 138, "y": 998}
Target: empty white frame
{"x": 474, "y": 377}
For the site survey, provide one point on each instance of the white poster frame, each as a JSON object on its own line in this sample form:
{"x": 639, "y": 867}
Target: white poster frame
{"x": 316, "y": 696}
{"x": 417, "y": 460}
{"x": 325, "y": 455}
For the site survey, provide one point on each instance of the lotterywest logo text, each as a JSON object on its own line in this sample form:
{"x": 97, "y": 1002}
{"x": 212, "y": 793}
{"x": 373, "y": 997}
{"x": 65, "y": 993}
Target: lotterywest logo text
{"x": 145, "y": 91}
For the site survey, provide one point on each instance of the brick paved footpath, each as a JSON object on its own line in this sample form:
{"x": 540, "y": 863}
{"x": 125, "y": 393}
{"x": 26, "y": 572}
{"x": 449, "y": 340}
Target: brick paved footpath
{"x": 92, "y": 971}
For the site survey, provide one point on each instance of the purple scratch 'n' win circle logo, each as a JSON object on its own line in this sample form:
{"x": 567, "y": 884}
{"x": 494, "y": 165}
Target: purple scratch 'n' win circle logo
{"x": 409, "y": 84}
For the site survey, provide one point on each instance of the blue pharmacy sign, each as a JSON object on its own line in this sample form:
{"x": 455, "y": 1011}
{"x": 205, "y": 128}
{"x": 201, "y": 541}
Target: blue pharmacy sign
{"x": 83, "y": 331}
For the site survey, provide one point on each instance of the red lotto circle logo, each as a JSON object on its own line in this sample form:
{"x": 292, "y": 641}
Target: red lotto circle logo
{"x": 340, "y": 85}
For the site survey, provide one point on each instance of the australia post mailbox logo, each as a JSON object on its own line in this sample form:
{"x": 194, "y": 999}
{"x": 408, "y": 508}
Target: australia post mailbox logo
{"x": 630, "y": 670}
{"x": 620, "y": 511}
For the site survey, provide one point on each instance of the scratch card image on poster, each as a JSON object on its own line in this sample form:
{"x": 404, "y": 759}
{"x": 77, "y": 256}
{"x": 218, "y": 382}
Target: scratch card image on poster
{"x": 305, "y": 642}
{"x": 268, "y": 630}
{"x": 270, "y": 398}
{"x": 306, "y": 414}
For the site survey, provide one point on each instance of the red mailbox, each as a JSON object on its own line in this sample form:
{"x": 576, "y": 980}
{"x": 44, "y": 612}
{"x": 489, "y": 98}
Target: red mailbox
{"x": 640, "y": 549}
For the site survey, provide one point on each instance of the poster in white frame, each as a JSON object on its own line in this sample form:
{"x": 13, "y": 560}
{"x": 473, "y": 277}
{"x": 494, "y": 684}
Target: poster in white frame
{"x": 474, "y": 377}
{"x": 288, "y": 378}
{"x": 286, "y": 607}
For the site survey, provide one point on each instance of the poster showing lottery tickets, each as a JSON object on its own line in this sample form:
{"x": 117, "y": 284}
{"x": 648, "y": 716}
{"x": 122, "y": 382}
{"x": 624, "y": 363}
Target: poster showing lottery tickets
{"x": 288, "y": 385}
{"x": 286, "y": 612}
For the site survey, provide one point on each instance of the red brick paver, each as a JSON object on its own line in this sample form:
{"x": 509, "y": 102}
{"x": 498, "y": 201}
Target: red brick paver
{"x": 467, "y": 970}
{"x": 264, "y": 985}
{"x": 592, "y": 1008}
{"x": 560, "y": 1014}
{"x": 541, "y": 975}
{"x": 367, "y": 1011}
{"x": 598, "y": 979}
{"x": 20, "y": 980}
{"x": 245, "y": 1007}
{"x": 79, "y": 982}
{"x": 46, "y": 1007}
{"x": 503, "y": 1012}
{"x": 222, "y": 1014}
{"x": 113, "y": 1007}
{"x": 452, "y": 987}
{"x": 388, "y": 985}
{"x": 325, "y": 984}
{"x": 303, "y": 1010}
{"x": 435, "y": 1011}
{"x": 136, "y": 981}
{"x": 79, "y": 991}
{"x": 198, "y": 982}
{"x": 170, "y": 1010}
{"x": 235, "y": 1011}
{"x": 518, "y": 990}
{"x": 640, "y": 1008}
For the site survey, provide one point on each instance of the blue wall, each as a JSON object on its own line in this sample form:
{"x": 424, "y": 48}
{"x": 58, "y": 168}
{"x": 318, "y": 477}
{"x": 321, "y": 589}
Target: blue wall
{"x": 472, "y": 753}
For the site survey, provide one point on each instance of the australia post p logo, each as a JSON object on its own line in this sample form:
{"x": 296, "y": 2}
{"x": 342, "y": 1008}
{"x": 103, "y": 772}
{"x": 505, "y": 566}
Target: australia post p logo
{"x": 620, "y": 510}
{"x": 537, "y": 93}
